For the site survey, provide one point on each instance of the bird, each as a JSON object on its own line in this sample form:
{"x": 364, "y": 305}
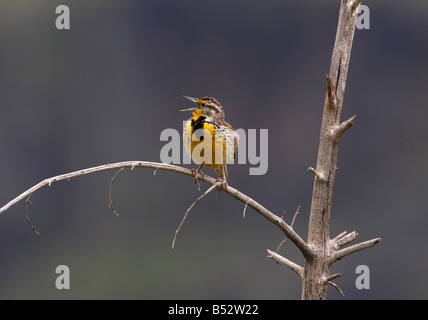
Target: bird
{"x": 207, "y": 122}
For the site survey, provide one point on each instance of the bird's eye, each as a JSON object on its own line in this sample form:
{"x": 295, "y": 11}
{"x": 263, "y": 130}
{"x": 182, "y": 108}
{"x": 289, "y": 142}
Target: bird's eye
{"x": 203, "y": 104}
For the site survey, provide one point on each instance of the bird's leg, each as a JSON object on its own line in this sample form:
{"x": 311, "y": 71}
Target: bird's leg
{"x": 223, "y": 182}
{"x": 195, "y": 173}
{"x": 223, "y": 185}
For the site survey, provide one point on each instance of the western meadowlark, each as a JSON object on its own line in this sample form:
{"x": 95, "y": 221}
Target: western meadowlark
{"x": 209, "y": 139}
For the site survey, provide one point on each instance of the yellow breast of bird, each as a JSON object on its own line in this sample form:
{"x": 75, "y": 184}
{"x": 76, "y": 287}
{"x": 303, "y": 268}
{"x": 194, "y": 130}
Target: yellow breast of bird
{"x": 206, "y": 145}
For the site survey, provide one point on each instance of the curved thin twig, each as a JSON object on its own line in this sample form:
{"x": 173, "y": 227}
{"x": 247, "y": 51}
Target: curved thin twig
{"x": 280, "y": 223}
{"x": 245, "y": 209}
{"x": 292, "y": 222}
{"x": 210, "y": 189}
{"x": 110, "y": 201}
{"x": 26, "y": 213}
{"x": 336, "y": 287}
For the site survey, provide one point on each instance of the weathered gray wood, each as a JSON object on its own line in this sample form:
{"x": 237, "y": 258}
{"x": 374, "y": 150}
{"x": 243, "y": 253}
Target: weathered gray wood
{"x": 316, "y": 269}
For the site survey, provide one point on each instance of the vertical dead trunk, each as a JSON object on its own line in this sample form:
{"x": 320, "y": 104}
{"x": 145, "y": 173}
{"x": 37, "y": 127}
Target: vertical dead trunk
{"x": 317, "y": 269}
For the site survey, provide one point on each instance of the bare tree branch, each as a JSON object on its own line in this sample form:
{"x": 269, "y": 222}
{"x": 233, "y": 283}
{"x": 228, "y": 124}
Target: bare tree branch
{"x": 111, "y": 188}
{"x": 292, "y": 222}
{"x": 26, "y": 213}
{"x": 332, "y": 277}
{"x": 284, "y": 227}
{"x": 320, "y": 176}
{"x": 339, "y": 254}
{"x": 336, "y": 287}
{"x": 338, "y": 131}
{"x": 343, "y": 239}
{"x": 209, "y": 190}
{"x": 316, "y": 271}
{"x": 280, "y": 259}
{"x": 245, "y": 209}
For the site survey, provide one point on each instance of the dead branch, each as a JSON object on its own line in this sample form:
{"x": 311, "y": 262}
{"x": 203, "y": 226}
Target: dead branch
{"x": 110, "y": 201}
{"x": 280, "y": 259}
{"x": 336, "y": 287}
{"x": 292, "y": 222}
{"x": 281, "y": 224}
{"x": 339, "y": 254}
{"x": 316, "y": 270}
{"x": 343, "y": 239}
{"x": 209, "y": 190}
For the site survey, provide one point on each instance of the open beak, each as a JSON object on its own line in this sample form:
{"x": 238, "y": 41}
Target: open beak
{"x": 193, "y": 100}
{"x": 189, "y": 109}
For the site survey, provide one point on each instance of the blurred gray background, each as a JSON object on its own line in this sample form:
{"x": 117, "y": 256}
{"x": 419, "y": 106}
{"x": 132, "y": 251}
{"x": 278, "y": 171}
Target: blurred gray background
{"x": 103, "y": 92}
